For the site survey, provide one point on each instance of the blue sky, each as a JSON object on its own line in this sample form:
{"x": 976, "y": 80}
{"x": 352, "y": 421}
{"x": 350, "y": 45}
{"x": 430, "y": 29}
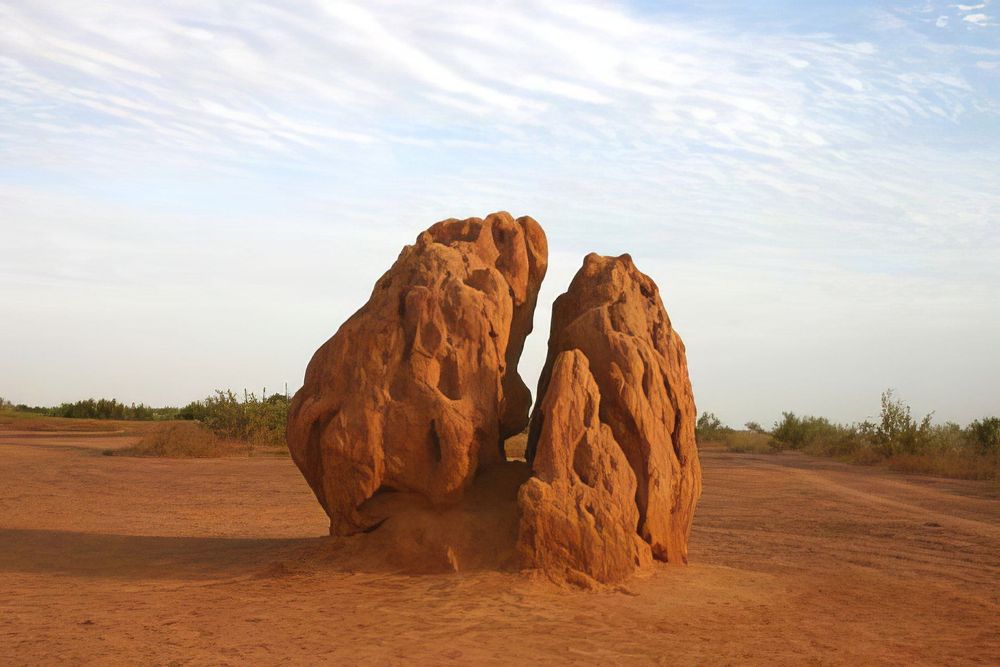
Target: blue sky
{"x": 195, "y": 194}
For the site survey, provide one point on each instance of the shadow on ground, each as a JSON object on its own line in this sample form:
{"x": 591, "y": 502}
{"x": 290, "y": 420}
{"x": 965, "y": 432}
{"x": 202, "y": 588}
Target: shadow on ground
{"x": 71, "y": 553}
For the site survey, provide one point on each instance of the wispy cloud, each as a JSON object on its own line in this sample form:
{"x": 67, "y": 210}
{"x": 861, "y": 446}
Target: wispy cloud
{"x": 977, "y": 19}
{"x": 972, "y": 14}
{"x": 263, "y": 79}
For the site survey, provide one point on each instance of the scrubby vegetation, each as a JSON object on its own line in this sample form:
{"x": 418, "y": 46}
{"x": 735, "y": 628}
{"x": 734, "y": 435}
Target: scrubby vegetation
{"x": 256, "y": 422}
{"x": 896, "y": 440}
{"x": 226, "y": 424}
{"x": 710, "y": 428}
{"x": 102, "y": 408}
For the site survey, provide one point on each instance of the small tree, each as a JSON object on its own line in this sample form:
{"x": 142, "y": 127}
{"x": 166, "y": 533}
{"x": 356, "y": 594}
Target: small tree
{"x": 789, "y": 432}
{"x": 225, "y": 415}
{"x": 984, "y": 435}
{"x": 794, "y": 432}
{"x": 709, "y": 427}
{"x": 897, "y": 432}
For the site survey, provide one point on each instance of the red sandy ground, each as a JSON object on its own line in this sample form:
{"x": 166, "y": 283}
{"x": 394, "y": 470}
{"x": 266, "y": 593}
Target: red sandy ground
{"x": 794, "y": 560}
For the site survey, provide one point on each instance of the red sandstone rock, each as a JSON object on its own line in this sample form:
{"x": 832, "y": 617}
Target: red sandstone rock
{"x": 578, "y": 512}
{"x": 418, "y": 389}
{"x": 613, "y": 315}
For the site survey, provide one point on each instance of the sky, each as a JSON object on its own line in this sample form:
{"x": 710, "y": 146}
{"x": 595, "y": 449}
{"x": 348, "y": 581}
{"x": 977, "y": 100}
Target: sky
{"x": 195, "y": 194}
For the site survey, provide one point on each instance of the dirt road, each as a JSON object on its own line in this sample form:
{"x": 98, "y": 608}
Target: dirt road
{"x": 793, "y": 560}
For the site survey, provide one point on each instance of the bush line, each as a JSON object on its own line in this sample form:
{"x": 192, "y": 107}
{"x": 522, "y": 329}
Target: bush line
{"x": 257, "y": 421}
{"x": 896, "y": 440}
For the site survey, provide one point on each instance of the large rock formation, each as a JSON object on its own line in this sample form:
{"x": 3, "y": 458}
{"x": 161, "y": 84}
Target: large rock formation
{"x": 612, "y": 315}
{"x": 578, "y": 512}
{"x": 419, "y": 388}
{"x": 417, "y": 391}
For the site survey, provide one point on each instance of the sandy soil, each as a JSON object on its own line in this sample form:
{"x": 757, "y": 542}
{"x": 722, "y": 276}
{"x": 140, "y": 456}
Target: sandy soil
{"x": 793, "y": 560}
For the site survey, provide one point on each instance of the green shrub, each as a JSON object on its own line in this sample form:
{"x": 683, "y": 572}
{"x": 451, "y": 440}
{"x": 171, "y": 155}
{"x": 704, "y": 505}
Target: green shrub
{"x": 948, "y": 437}
{"x": 899, "y": 441}
{"x": 193, "y": 411}
{"x": 102, "y": 408}
{"x": 256, "y": 421}
{"x": 710, "y": 428}
{"x": 794, "y": 432}
{"x": 840, "y": 442}
{"x": 252, "y": 420}
{"x": 897, "y": 432}
{"x": 984, "y": 435}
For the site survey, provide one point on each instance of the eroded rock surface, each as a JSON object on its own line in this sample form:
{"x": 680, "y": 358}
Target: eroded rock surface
{"x": 418, "y": 389}
{"x": 578, "y": 513}
{"x": 612, "y": 314}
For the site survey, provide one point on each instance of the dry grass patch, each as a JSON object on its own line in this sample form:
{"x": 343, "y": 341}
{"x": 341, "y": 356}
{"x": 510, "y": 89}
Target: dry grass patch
{"x": 959, "y": 465}
{"x": 183, "y": 439}
{"x": 748, "y": 442}
{"x": 190, "y": 439}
